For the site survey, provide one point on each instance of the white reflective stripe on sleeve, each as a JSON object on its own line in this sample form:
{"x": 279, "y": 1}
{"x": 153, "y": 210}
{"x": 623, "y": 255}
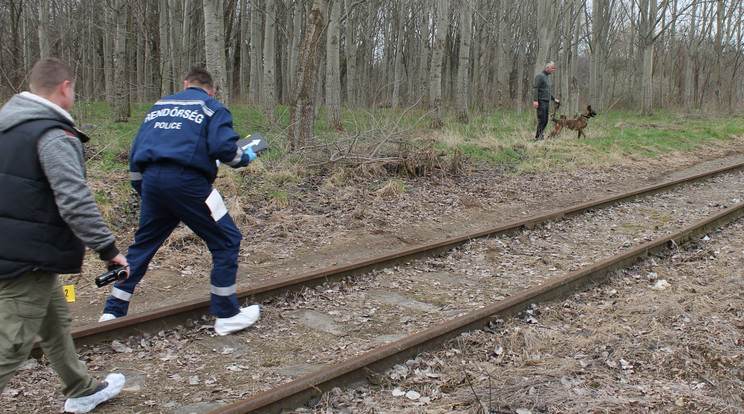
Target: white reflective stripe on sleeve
{"x": 120, "y": 294}
{"x": 236, "y": 160}
{"x": 216, "y": 205}
{"x": 223, "y": 291}
{"x": 135, "y": 176}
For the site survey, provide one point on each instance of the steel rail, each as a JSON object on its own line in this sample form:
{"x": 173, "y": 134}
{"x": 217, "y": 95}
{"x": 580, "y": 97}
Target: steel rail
{"x": 174, "y": 315}
{"x": 299, "y": 392}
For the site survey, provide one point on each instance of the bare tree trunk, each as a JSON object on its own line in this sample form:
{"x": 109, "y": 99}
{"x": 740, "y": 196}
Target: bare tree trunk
{"x": 570, "y": 38}
{"x": 672, "y": 58}
{"x": 140, "y": 54}
{"x": 183, "y": 38}
{"x": 364, "y": 67}
{"x": 503, "y": 64}
{"x": 27, "y": 31}
{"x": 44, "y": 47}
{"x": 480, "y": 51}
{"x": 89, "y": 51}
{"x": 302, "y": 108}
{"x": 108, "y": 53}
{"x": 177, "y": 28}
{"x": 244, "y": 78}
{"x": 214, "y": 47}
{"x": 231, "y": 50}
{"x": 648, "y": 9}
{"x": 520, "y": 64}
{"x": 121, "y": 93}
{"x": 294, "y": 44}
{"x": 562, "y": 78}
{"x": 547, "y": 18}
{"x": 437, "y": 57}
{"x": 166, "y": 60}
{"x": 689, "y": 95}
{"x": 575, "y": 86}
{"x": 719, "y": 46}
{"x": 601, "y": 12}
{"x": 425, "y": 54}
{"x": 333, "y": 68}
{"x": 398, "y": 60}
{"x": 14, "y": 58}
{"x": 268, "y": 100}
{"x": 733, "y": 31}
{"x": 351, "y": 55}
{"x": 463, "y": 66}
{"x": 256, "y": 51}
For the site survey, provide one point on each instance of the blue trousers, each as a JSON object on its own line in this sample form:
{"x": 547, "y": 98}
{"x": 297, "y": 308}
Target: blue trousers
{"x": 172, "y": 194}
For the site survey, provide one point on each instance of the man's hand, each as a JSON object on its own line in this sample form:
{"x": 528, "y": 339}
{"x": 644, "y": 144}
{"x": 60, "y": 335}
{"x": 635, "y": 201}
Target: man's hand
{"x": 535, "y": 104}
{"x": 119, "y": 260}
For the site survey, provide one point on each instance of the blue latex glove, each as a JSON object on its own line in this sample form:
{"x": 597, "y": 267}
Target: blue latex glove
{"x": 248, "y": 152}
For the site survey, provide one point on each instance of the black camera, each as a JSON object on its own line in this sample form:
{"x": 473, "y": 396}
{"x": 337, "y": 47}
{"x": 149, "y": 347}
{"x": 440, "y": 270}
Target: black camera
{"x": 114, "y": 273}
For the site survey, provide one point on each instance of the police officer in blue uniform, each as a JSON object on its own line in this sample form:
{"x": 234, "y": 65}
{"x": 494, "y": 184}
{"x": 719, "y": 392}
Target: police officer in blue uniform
{"x": 173, "y": 164}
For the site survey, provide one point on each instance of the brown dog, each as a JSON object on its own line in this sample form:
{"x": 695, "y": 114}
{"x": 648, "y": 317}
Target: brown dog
{"x": 577, "y": 123}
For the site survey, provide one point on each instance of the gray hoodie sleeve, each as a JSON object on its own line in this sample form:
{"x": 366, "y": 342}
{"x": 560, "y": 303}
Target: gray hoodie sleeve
{"x": 61, "y": 157}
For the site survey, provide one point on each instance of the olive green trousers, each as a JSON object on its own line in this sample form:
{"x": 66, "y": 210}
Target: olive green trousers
{"x": 34, "y": 305}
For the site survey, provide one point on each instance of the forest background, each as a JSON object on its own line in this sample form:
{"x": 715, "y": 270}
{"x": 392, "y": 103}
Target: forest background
{"x": 351, "y": 63}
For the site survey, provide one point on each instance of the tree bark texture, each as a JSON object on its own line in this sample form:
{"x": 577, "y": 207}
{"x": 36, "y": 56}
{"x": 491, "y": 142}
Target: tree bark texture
{"x": 302, "y": 108}
{"x": 437, "y": 57}
{"x": 214, "y": 47}
{"x": 463, "y": 65}
{"x": 333, "y": 67}
{"x": 268, "y": 99}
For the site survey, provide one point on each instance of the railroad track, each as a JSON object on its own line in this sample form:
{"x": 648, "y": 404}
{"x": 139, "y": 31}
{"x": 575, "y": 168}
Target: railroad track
{"x": 297, "y": 392}
{"x": 170, "y": 316}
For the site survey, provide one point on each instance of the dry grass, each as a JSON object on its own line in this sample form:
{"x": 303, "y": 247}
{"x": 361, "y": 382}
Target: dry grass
{"x": 391, "y": 190}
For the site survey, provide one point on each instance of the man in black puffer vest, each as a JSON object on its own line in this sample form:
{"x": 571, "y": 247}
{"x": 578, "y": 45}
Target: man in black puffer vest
{"x": 47, "y": 217}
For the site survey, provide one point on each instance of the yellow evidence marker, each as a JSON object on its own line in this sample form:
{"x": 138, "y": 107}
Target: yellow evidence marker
{"x": 69, "y": 292}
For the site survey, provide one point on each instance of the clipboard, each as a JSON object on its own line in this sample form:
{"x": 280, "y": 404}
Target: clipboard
{"x": 255, "y": 141}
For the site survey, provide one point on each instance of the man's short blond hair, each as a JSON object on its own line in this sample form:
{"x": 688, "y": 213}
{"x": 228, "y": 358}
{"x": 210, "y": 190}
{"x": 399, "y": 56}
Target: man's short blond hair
{"x": 49, "y": 73}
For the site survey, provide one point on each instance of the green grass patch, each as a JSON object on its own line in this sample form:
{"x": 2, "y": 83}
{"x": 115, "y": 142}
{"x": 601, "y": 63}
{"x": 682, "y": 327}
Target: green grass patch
{"x": 500, "y": 139}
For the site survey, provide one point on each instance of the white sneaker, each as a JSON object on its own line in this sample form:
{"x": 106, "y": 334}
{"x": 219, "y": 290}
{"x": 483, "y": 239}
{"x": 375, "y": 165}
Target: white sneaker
{"x": 106, "y": 317}
{"x": 247, "y": 317}
{"x": 114, "y": 384}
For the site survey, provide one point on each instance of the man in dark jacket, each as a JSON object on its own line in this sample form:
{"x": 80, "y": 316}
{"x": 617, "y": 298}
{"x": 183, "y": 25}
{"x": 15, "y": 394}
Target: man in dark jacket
{"x": 541, "y": 97}
{"x": 173, "y": 164}
{"x": 47, "y": 216}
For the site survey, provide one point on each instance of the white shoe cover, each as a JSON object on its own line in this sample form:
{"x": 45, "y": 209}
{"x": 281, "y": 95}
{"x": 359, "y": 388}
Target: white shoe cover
{"x": 106, "y": 317}
{"x": 247, "y": 317}
{"x": 89, "y": 402}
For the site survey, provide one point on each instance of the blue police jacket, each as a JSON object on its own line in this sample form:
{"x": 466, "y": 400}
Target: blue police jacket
{"x": 189, "y": 128}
